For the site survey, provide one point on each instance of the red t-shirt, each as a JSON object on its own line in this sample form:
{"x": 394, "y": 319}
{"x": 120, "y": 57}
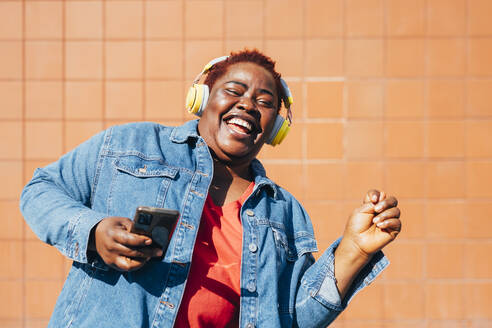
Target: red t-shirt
{"x": 212, "y": 293}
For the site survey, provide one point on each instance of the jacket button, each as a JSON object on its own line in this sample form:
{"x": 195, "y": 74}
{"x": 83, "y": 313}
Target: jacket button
{"x": 252, "y": 247}
{"x": 250, "y": 212}
{"x": 251, "y": 287}
{"x": 250, "y": 325}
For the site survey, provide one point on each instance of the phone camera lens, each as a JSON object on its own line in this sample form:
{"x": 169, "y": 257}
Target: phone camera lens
{"x": 145, "y": 218}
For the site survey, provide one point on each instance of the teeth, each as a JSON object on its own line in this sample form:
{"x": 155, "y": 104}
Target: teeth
{"x": 241, "y": 122}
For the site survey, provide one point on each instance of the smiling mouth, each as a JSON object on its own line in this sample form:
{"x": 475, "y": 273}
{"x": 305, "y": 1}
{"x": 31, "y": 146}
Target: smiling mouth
{"x": 239, "y": 125}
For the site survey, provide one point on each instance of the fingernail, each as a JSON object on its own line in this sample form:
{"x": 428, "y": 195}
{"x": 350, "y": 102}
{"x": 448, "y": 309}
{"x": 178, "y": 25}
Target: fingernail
{"x": 380, "y": 224}
{"x": 375, "y": 220}
{"x": 378, "y": 207}
{"x": 148, "y": 241}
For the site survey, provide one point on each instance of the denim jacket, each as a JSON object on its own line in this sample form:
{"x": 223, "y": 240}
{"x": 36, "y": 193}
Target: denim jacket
{"x": 146, "y": 164}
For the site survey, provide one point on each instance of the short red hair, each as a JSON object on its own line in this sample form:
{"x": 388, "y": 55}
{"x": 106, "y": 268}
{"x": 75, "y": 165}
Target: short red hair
{"x": 250, "y": 56}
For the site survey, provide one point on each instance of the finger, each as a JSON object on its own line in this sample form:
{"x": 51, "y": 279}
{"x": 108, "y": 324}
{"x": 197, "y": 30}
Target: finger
{"x": 372, "y": 196}
{"x": 382, "y": 196}
{"x": 137, "y": 252}
{"x": 386, "y": 204}
{"x": 123, "y": 263}
{"x": 393, "y": 212}
{"x": 367, "y": 208}
{"x": 131, "y": 239}
{"x": 392, "y": 226}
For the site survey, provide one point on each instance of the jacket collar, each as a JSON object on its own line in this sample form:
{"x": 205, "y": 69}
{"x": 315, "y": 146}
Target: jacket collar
{"x": 182, "y": 133}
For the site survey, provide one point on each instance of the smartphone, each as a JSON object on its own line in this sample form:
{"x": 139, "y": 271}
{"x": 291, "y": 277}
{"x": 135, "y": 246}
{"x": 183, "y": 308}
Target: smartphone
{"x": 157, "y": 223}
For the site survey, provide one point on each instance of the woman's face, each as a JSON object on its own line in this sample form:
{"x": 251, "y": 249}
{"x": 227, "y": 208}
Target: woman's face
{"x": 240, "y": 113}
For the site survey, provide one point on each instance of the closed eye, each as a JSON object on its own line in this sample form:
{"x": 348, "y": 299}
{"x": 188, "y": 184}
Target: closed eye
{"x": 233, "y": 92}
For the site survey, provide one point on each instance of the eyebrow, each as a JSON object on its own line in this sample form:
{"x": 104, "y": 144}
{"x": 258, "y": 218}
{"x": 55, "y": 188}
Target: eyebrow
{"x": 245, "y": 86}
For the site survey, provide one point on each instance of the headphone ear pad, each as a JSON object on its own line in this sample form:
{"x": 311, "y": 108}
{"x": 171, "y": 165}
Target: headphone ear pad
{"x": 197, "y": 98}
{"x": 279, "y": 132}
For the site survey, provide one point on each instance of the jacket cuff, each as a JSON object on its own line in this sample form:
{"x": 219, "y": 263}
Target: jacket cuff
{"x": 326, "y": 291}
{"x": 79, "y": 230}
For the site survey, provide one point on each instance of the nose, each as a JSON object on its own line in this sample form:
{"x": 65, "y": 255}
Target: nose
{"x": 246, "y": 103}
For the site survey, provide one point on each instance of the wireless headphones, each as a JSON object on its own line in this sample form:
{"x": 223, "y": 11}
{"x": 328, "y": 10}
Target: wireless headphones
{"x": 197, "y": 98}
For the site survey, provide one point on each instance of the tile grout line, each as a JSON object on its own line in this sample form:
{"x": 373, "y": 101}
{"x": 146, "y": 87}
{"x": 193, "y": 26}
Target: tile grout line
{"x": 143, "y": 88}
{"x": 63, "y": 96}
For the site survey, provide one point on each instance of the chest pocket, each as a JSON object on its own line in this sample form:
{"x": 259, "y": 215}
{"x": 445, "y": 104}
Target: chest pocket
{"x": 139, "y": 181}
{"x": 290, "y": 248}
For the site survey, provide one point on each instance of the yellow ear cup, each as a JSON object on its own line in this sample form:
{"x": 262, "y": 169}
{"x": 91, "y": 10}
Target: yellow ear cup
{"x": 197, "y": 98}
{"x": 281, "y": 134}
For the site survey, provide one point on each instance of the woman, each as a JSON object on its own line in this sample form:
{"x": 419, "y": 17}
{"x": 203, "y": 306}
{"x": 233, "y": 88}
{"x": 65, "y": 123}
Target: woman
{"x": 240, "y": 254}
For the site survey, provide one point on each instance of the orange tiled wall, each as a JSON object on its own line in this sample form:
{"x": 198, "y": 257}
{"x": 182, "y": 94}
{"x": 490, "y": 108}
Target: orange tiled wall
{"x": 392, "y": 94}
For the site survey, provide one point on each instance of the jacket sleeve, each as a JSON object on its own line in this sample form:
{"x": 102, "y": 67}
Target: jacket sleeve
{"x": 318, "y": 301}
{"x": 56, "y": 202}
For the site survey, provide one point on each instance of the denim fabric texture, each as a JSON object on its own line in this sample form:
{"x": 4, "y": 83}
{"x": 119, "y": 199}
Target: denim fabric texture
{"x": 147, "y": 164}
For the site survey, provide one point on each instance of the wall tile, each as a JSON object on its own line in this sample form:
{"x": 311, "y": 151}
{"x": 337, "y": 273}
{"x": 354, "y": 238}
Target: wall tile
{"x": 404, "y": 300}
{"x": 368, "y": 65}
{"x": 445, "y": 260}
{"x": 446, "y": 179}
{"x": 11, "y": 177}
{"x": 479, "y": 21}
{"x": 83, "y": 100}
{"x": 478, "y": 96}
{"x": 11, "y": 140}
{"x": 288, "y": 56}
{"x": 83, "y": 59}
{"x": 83, "y": 20}
{"x": 478, "y": 302}
{"x": 364, "y": 139}
{"x": 479, "y": 222}
{"x": 405, "y": 58}
{"x": 478, "y": 176}
{"x": 477, "y": 139}
{"x": 235, "y": 14}
{"x": 44, "y": 100}
{"x": 323, "y": 18}
{"x": 11, "y": 253}
{"x": 10, "y": 100}
{"x": 325, "y": 181}
{"x": 476, "y": 264}
{"x": 40, "y": 298}
{"x": 43, "y": 19}
{"x": 291, "y": 147}
{"x": 324, "y": 140}
{"x": 446, "y": 17}
{"x": 324, "y": 58}
{"x": 405, "y": 18}
{"x": 406, "y": 179}
{"x": 203, "y": 13}
{"x": 363, "y": 18}
{"x": 446, "y": 220}
{"x": 328, "y": 220}
{"x": 361, "y": 177}
{"x": 198, "y": 54}
{"x": 78, "y": 132}
{"x": 123, "y": 60}
{"x": 361, "y": 307}
{"x": 156, "y": 66}
{"x": 284, "y": 18}
{"x": 164, "y": 19}
{"x": 164, "y": 100}
{"x": 123, "y": 19}
{"x": 405, "y": 99}
{"x": 43, "y": 59}
{"x": 365, "y": 99}
{"x": 282, "y": 174}
{"x": 42, "y": 261}
{"x": 406, "y": 261}
{"x": 446, "y": 139}
{"x": 13, "y": 221}
{"x": 325, "y": 99}
{"x": 11, "y": 63}
{"x": 128, "y": 107}
{"x": 10, "y": 20}
{"x": 43, "y": 139}
{"x": 447, "y": 57}
{"x": 445, "y": 300}
{"x": 480, "y": 52}
{"x": 404, "y": 139}
{"x": 413, "y": 218}
{"x": 12, "y": 306}
{"x": 445, "y": 98}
